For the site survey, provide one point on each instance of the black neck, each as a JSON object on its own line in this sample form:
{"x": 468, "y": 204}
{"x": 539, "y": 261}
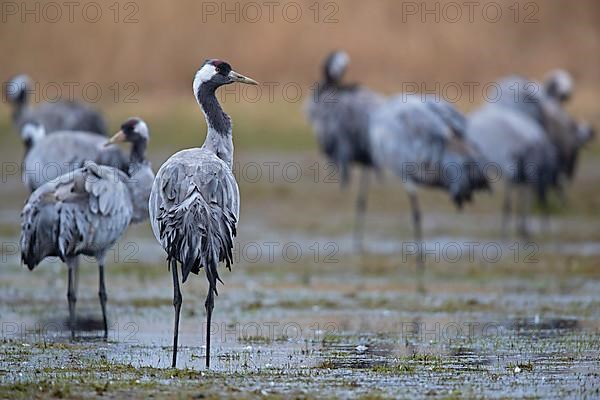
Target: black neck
{"x": 19, "y": 104}
{"x": 215, "y": 116}
{"x": 335, "y": 84}
{"x": 22, "y": 98}
{"x": 329, "y": 81}
{"x": 138, "y": 152}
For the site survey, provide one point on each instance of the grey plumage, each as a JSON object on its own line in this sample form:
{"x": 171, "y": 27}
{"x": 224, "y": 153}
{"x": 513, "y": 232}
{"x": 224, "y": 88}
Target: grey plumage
{"x": 141, "y": 179}
{"x": 194, "y": 209}
{"x": 543, "y": 103}
{"x": 85, "y": 212}
{"x": 194, "y": 204}
{"x": 450, "y": 115}
{"x": 339, "y": 115}
{"x": 520, "y": 153}
{"x": 55, "y": 116}
{"x": 531, "y": 137}
{"x": 53, "y": 155}
{"x": 514, "y": 143}
{"x": 139, "y": 169}
{"x": 524, "y": 95}
{"x": 423, "y": 143}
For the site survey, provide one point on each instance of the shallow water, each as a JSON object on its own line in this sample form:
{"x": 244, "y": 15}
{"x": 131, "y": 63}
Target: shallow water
{"x": 318, "y": 320}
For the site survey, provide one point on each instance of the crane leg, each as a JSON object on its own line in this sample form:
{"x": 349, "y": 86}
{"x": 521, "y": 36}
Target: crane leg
{"x": 523, "y": 228}
{"x": 102, "y": 295}
{"x": 545, "y": 218}
{"x": 416, "y": 215}
{"x": 562, "y": 192}
{"x": 209, "y": 304}
{"x": 177, "y": 300}
{"x": 506, "y": 210}
{"x": 71, "y": 295}
{"x": 361, "y": 207}
{"x": 76, "y": 275}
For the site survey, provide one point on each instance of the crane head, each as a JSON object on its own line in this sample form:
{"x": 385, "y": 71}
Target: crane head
{"x": 214, "y": 73}
{"x": 559, "y": 85}
{"x": 31, "y": 133}
{"x": 335, "y": 66}
{"x": 133, "y": 130}
{"x": 15, "y": 91}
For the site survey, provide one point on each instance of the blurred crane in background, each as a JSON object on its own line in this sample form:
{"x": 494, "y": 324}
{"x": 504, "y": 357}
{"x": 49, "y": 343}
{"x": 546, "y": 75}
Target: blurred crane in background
{"x": 339, "y": 115}
{"x": 422, "y": 141}
{"x": 521, "y": 156}
{"x": 54, "y": 116}
{"x": 537, "y": 147}
{"x": 545, "y": 104}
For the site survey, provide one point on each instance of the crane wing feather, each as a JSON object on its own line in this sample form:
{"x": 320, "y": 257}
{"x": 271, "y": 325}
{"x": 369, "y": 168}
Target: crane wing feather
{"x": 194, "y": 208}
{"x": 82, "y": 212}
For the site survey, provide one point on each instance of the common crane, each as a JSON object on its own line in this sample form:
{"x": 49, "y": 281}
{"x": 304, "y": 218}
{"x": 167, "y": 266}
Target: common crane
{"x": 194, "y": 204}
{"x": 339, "y": 115}
{"x": 422, "y": 141}
{"x": 54, "y": 116}
{"x": 86, "y": 211}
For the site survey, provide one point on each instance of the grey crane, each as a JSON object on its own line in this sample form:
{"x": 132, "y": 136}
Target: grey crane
{"x": 339, "y": 115}
{"x": 194, "y": 204}
{"x": 520, "y": 154}
{"x": 86, "y": 212}
{"x": 422, "y": 141}
{"x": 55, "y": 116}
{"x": 545, "y": 105}
{"x": 51, "y": 156}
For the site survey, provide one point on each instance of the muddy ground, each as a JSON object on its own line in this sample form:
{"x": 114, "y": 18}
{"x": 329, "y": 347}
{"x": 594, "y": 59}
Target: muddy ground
{"x": 302, "y": 315}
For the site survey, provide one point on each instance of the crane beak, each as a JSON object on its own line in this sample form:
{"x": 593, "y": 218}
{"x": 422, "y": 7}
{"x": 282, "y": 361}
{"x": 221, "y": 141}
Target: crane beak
{"x": 117, "y": 138}
{"x": 235, "y": 77}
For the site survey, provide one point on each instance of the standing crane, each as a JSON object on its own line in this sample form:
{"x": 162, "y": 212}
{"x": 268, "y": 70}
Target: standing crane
{"x": 194, "y": 204}
{"x": 86, "y": 212}
{"x": 51, "y": 156}
{"x": 521, "y": 155}
{"x": 422, "y": 141}
{"x": 339, "y": 114}
{"x": 544, "y": 105}
{"x": 54, "y": 116}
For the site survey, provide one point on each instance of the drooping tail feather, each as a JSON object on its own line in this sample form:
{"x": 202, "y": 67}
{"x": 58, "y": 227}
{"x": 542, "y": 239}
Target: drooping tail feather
{"x": 198, "y": 234}
{"x": 39, "y": 232}
{"x": 464, "y": 171}
{"x": 540, "y": 170}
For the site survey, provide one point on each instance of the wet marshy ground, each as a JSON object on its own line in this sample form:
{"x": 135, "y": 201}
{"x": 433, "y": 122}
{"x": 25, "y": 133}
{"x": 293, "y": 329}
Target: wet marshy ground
{"x": 301, "y": 315}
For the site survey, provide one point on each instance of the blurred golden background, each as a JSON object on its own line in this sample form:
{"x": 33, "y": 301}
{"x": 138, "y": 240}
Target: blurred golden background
{"x": 143, "y": 54}
{"x": 388, "y": 42}
{"x": 158, "y": 45}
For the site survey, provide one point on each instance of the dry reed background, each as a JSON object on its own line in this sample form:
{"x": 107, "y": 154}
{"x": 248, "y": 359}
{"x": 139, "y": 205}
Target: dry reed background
{"x": 161, "y": 50}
